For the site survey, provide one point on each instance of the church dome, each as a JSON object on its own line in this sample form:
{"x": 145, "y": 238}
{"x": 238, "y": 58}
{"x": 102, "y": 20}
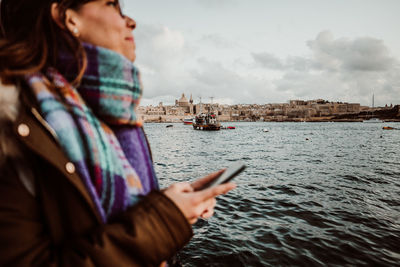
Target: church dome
{"x": 183, "y": 102}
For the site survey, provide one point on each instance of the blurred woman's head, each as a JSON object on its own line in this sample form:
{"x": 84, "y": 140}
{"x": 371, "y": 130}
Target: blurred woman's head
{"x": 99, "y": 23}
{"x": 33, "y": 32}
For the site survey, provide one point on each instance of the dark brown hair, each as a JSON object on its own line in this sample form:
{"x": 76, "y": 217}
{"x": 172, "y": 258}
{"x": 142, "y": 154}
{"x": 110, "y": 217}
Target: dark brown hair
{"x": 30, "y": 40}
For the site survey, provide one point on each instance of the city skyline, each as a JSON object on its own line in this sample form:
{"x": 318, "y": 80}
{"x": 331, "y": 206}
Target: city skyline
{"x": 211, "y": 100}
{"x": 268, "y": 51}
{"x": 294, "y": 111}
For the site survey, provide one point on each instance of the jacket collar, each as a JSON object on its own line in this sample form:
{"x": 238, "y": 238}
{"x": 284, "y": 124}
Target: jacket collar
{"x": 32, "y": 130}
{"x": 9, "y": 106}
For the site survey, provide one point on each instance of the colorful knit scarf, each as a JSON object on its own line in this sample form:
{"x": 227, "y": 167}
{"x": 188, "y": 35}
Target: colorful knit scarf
{"x": 83, "y": 119}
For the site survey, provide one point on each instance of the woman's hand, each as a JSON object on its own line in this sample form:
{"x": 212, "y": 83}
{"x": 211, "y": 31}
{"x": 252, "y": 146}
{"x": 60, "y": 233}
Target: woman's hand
{"x": 195, "y": 204}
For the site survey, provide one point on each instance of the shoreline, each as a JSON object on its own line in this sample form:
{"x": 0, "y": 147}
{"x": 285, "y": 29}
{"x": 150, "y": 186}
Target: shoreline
{"x": 281, "y": 121}
{"x": 386, "y": 115}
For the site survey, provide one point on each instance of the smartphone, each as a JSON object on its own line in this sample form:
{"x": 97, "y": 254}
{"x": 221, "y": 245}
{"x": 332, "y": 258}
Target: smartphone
{"x": 227, "y": 175}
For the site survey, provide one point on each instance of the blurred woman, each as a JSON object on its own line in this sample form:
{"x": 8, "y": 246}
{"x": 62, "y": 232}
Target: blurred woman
{"x": 77, "y": 183}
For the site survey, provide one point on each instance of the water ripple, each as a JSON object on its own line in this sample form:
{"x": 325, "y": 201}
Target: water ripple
{"x": 333, "y": 199}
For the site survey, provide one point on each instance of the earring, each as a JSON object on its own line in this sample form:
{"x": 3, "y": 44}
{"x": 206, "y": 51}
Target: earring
{"x": 76, "y": 32}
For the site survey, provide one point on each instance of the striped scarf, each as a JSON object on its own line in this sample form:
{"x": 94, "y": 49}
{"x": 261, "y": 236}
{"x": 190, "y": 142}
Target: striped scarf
{"x": 110, "y": 90}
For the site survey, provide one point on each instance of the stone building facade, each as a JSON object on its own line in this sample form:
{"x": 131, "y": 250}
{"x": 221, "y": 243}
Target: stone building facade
{"x": 293, "y": 110}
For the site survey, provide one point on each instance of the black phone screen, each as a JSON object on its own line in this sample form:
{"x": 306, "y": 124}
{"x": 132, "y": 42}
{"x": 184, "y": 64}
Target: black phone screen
{"x": 227, "y": 175}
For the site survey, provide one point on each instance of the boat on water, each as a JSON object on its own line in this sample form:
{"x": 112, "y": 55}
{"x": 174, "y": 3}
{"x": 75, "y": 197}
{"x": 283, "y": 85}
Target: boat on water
{"x": 373, "y": 120}
{"x": 390, "y": 128}
{"x": 206, "y": 122}
{"x": 188, "y": 121}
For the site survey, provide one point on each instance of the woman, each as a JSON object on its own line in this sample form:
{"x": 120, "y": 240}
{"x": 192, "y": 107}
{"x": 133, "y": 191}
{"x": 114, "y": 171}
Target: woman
{"x": 77, "y": 184}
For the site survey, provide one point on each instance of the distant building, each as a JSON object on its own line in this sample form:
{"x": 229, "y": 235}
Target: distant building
{"x": 296, "y": 110}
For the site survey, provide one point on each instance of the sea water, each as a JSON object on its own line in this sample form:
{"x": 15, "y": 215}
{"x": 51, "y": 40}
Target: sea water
{"x": 313, "y": 194}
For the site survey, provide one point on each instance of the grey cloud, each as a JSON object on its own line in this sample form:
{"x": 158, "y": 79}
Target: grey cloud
{"x": 268, "y": 61}
{"x": 168, "y": 71}
{"x": 299, "y": 63}
{"x": 214, "y": 75}
{"x": 169, "y": 68}
{"x": 217, "y": 41}
{"x": 361, "y": 54}
{"x": 329, "y": 54}
{"x": 352, "y": 86}
{"x": 159, "y": 48}
{"x": 162, "y": 56}
{"x": 307, "y": 85}
{"x": 213, "y": 79}
{"x": 337, "y": 69}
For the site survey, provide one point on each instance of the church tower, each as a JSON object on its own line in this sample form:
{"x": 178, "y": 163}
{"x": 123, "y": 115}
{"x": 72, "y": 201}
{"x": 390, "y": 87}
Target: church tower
{"x": 191, "y": 105}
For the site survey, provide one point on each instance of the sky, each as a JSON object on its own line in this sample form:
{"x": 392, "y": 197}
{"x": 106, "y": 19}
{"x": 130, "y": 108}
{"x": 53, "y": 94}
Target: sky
{"x": 265, "y": 51}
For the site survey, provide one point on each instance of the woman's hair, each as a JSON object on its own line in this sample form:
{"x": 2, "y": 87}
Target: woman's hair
{"x": 30, "y": 40}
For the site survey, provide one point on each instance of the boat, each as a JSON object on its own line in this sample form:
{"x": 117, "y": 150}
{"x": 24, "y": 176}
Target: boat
{"x": 188, "y": 121}
{"x": 373, "y": 120}
{"x": 389, "y": 128}
{"x": 169, "y": 126}
{"x": 206, "y": 122}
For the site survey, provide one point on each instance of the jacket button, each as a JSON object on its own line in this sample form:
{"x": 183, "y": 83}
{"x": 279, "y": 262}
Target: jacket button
{"x": 23, "y": 130}
{"x": 70, "y": 167}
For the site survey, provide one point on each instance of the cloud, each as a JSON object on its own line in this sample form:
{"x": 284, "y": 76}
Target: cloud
{"x": 361, "y": 54}
{"x": 158, "y": 46}
{"x": 162, "y": 59}
{"x": 338, "y": 69}
{"x": 268, "y": 61}
{"x": 170, "y": 67}
{"x": 217, "y": 41}
{"x": 212, "y": 79}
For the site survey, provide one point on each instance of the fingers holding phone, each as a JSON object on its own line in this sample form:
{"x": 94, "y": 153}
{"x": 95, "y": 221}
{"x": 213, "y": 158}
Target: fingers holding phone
{"x": 198, "y": 198}
{"x": 195, "y": 204}
{"x": 209, "y": 212}
{"x": 220, "y": 177}
{"x": 202, "y": 182}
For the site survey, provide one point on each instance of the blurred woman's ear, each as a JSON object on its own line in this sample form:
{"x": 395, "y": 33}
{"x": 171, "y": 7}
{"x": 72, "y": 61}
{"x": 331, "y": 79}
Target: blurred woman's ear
{"x": 32, "y": 39}
{"x": 55, "y": 14}
{"x": 71, "y": 20}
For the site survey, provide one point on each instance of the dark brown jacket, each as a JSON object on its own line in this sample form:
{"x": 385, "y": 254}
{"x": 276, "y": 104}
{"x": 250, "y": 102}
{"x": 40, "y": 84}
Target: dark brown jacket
{"x": 47, "y": 217}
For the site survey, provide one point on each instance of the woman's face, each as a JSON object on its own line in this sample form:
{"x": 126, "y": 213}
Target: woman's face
{"x": 101, "y": 23}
